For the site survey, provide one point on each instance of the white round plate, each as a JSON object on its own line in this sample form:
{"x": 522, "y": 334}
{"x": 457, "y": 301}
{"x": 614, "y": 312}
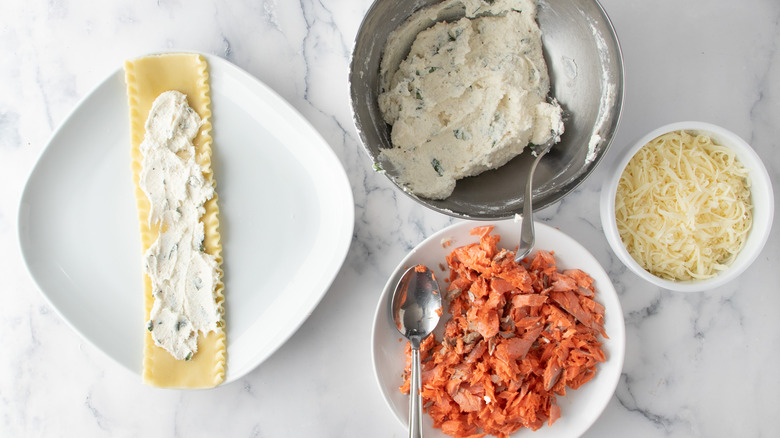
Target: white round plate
{"x": 580, "y": 408}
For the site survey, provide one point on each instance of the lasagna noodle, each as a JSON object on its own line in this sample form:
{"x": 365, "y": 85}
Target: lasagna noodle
{"x": 146, "y": 79}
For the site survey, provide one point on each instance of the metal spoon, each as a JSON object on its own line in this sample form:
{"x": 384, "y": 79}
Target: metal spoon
{"x": 527, "y": 233}
{"x": 416, "y": 311}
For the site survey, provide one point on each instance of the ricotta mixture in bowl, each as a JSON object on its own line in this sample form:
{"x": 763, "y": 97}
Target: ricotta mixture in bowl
{"x": 470, "y": 95}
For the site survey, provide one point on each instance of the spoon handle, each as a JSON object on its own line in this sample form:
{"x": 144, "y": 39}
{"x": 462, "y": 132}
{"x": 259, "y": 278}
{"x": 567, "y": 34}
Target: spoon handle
{"x": 415, "y": 401}
{"x": 527, "y": 234}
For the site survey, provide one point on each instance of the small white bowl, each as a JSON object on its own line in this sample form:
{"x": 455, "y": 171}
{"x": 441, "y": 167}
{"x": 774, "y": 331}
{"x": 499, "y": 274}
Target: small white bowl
{"x": 761, "y": 194}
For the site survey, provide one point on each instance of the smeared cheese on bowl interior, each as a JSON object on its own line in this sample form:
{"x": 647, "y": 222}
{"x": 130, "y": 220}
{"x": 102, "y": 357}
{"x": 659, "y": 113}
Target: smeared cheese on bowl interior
{"x": 683, "y": 206}
{"x": 183, "y": 275}
{"x": 469, "y": 97}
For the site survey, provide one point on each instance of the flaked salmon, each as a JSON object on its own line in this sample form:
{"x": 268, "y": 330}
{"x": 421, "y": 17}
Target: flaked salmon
{"x": 518, "y": 336}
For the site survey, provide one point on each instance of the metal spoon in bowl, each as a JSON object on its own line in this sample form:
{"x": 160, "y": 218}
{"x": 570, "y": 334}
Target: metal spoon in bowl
{"x": 527, "y": 233}
{"x": 416, "y": 311}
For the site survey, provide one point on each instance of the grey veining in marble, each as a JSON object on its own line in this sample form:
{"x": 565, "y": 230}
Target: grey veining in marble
{"x": 697, "y": 365}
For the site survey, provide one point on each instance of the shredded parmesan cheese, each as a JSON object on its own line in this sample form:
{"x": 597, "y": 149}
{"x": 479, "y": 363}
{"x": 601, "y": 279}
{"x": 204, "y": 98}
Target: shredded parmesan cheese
{"x": 683, "y": 206}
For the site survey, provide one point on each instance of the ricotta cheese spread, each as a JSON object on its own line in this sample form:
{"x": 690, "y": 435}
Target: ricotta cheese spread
{"x": 469, "y": 97}
{"x": 182, "y": 274}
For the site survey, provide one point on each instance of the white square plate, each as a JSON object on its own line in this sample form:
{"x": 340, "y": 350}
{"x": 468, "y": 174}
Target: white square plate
{"x": 286, "y": 214}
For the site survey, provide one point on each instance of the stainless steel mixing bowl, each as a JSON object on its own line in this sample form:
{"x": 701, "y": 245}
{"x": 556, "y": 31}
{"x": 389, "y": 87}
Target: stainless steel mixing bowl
{"x": 586, "y": 75}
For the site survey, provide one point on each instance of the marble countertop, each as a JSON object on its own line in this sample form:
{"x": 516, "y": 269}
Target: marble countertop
{"x": 696, "y": 364}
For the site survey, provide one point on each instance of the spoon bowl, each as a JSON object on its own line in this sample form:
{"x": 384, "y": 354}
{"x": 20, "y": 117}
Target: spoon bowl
{"x": 416, "y": 309}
